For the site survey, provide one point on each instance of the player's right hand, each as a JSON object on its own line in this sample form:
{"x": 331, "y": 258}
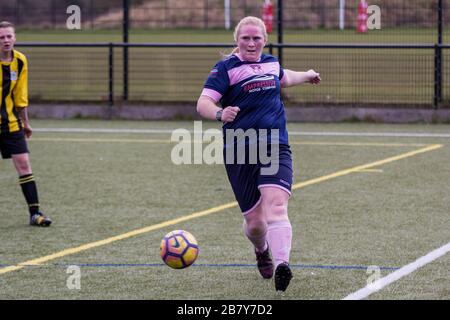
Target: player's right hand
{"x": 230, "y": 113}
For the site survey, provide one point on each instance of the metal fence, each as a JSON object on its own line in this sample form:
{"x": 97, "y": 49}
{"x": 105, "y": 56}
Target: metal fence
{"x": 405, "y": 63}
{"x": 353, "y": 74}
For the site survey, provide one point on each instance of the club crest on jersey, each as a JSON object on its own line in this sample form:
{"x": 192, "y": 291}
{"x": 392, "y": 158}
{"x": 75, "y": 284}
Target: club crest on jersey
{"x": 257, "y": 69}
{"x": 13, "y": 76}
{"x": 213, "y": 73}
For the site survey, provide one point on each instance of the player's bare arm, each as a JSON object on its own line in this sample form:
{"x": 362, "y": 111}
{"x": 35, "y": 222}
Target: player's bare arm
{"x": 293, "y": 78}
{"x": 208, "y": 109}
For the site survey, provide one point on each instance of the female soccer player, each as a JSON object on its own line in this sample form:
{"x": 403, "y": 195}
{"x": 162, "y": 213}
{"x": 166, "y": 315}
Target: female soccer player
{"x": 14, "y": 125}
{"x": 247, "y": 83}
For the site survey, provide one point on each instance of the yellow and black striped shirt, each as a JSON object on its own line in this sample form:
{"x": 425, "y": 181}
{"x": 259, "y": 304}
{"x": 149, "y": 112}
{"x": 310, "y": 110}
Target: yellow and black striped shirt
{"x": 14, "y": 91}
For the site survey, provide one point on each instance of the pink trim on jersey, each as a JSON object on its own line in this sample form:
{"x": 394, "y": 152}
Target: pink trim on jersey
{"x": 213, "y": 94}
{"x": 250, "y": 70}
{"x": 253, "y": 208}
{"x": 275, "y": 186}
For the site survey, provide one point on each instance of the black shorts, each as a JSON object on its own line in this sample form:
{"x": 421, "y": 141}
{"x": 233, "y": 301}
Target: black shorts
{"x": 13, "y": 143}
{"x": 246, "y": 179}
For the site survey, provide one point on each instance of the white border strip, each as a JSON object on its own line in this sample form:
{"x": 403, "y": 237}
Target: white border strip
{"x": 293, "y": 133}
{"x": 398, "y": 274}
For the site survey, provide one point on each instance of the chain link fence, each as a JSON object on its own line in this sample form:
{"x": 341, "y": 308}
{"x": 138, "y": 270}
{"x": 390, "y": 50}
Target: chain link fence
{"x": 417, "y": 74}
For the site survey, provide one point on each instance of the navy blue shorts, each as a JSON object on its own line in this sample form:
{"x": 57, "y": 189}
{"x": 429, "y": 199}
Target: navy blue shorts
{"x": 246, "y": 178}
{"x": 13, "y": 143}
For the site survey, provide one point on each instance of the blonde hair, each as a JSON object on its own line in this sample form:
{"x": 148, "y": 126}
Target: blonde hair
{"x": 6, "y": 24}
{"x": 252, "y": 21}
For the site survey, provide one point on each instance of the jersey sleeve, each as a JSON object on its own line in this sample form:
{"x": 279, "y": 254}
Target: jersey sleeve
{"x": 217, "y": 83}
{"x": 20, "y": 90}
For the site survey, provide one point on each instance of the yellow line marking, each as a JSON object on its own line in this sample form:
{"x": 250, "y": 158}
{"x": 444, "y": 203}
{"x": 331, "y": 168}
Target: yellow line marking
{"x": 203, "y": 213}
{"x": 359, "y": 144}
{"x": 366, "y": 166}
{"x": 103, "y": 242}
{"x": 306, "y": 143}
{"x": 371, "y": 170}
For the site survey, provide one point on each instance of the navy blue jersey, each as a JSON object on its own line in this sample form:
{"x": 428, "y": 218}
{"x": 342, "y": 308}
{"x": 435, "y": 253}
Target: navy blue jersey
{"x": 255, "y": 88}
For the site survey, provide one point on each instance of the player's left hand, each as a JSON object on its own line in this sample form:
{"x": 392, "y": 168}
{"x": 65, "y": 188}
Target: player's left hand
{"x": 314, "y": 77}
{"x": 27, "y": 129}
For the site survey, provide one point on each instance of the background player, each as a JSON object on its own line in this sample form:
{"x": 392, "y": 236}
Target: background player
{"x": 14, "y": 119}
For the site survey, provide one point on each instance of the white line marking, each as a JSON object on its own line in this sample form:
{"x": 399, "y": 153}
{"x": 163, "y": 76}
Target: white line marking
{"x": 317, "y": 143}
{"x": 293, "y": 133}
{"x": 398, "y": 274}
{"x": 372, "y": 134}
{"x": 102, "y": 130}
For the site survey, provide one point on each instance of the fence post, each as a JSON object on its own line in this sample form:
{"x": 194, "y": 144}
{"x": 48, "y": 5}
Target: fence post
{"x": 126, "y": 24}
{"x": 280, "y": 30}
{"x": 438, "y": 60}
{"x": 437, "y": 75}
{"x": 270, "y": 49}
{"x": 111, "y": 75}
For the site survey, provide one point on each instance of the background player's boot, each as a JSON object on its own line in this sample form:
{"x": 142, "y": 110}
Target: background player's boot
{"x": 283, "y": 276}
{"x": 40, "y": 220}
{"x": 264, "y": 263}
